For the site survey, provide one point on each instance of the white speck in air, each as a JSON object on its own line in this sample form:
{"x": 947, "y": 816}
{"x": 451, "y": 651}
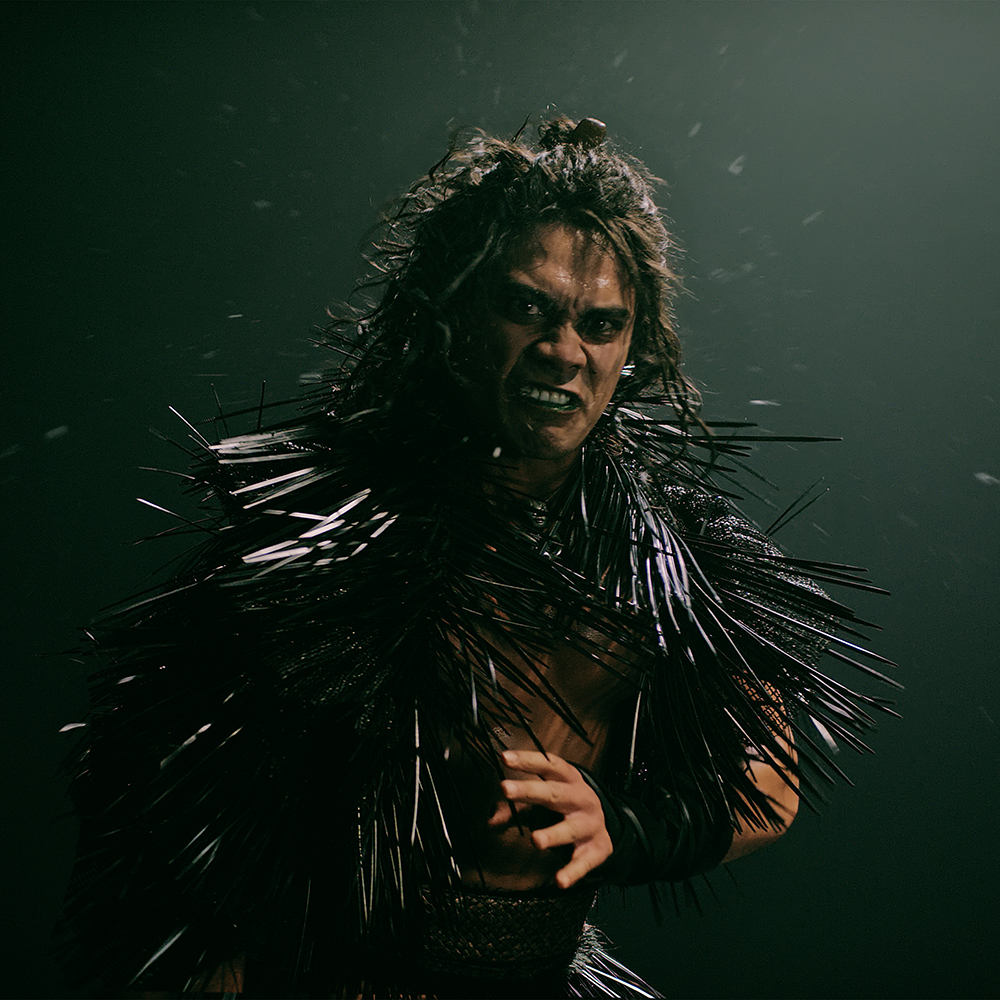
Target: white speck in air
{"x": 814, "y": 217}
{"x": 987, "y": 480}
{"x": 496, "y": 451}
{"x": 235, "y": 316}
{"x": 694, "y": 130}
{"x": 56, "y": 432}
{"x": 261, "y": 204}
{"x": 736, "y": 167}
{"x": 722, "y": 275}
{"x": 620, "y": 58}
{"x": 764, "y": 402}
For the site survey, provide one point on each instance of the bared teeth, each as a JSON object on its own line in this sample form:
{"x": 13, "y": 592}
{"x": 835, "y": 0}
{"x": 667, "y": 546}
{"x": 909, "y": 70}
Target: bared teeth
{"x": 549, "y": 397}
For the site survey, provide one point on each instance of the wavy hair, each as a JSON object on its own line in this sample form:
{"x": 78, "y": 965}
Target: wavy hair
{"x": 445, "y": 236}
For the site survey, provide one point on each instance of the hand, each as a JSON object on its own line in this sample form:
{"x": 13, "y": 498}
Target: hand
{"x": 561, "y": 788}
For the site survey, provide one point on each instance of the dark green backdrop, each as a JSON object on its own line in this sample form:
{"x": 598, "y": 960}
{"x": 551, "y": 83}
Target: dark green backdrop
{"x": 186, "y": 187}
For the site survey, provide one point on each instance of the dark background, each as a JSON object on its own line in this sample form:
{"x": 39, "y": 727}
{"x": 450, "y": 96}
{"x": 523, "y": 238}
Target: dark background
{"x": 186, "y": 188}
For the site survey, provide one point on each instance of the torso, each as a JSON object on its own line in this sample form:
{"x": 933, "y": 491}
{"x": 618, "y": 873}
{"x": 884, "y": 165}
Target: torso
{"x": 504, "y": 857}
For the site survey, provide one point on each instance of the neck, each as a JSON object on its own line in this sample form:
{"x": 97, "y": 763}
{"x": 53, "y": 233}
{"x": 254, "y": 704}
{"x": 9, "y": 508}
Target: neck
{"x": 538, "y": 478}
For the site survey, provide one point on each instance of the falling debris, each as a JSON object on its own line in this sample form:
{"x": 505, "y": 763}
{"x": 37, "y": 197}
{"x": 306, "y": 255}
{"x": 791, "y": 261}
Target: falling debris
{"x": 764, "y": 402}
{"x": 262, "y": 204}
{"x": 694, "y": 130}
{"x": 812, "y": 218}
{"x": 56, "y": 432}
{"x": 620, "y": 58}
{"x": 987, "y": 480}
{"x": 235, "y": 316}
{"x": 736, "y": 167}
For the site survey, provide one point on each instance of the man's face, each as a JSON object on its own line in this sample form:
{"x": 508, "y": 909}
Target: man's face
{"x": 559, "y": 325}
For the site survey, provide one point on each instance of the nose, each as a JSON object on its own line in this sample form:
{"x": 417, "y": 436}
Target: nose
{"x": 561, "y": 350}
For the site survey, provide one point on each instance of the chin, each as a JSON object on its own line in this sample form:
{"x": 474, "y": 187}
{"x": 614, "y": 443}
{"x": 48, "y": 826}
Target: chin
{"x": 546, "y": 450}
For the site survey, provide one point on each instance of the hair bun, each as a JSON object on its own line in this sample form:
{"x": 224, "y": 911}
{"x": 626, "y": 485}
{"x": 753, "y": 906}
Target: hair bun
{"x": 589, "y": 132}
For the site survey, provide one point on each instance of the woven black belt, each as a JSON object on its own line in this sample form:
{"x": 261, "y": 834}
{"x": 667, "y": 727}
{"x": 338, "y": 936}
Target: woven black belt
{"x": 502, "y": 935}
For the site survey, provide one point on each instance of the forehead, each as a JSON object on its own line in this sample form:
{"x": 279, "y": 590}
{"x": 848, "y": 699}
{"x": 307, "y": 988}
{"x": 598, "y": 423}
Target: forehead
{"x": 560, "y": 254}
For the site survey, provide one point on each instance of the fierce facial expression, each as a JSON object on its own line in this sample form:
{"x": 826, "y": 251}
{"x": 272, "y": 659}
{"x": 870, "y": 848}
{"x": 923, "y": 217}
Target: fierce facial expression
{"x": 559, "y": 326}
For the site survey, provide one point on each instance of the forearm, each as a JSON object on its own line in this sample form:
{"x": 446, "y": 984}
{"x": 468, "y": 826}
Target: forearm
{"x": 748, "y": 837}
{"x": 658, "y": 835}
{"x": 780, "y": 785}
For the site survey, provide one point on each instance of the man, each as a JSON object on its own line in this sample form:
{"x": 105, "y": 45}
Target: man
{"x": 474, "y": 637}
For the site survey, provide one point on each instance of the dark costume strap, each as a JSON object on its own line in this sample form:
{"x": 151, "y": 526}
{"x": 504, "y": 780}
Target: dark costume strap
{"x": 660, "y": 836}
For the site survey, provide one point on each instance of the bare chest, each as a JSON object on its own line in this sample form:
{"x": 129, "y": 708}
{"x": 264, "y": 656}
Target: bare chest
{"x": 565, "y": 684}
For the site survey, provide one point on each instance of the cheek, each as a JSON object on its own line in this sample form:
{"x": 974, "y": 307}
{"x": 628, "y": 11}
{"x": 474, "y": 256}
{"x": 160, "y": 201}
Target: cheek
{"x": 502, "y": 346}
{"x": 613, "y": 370}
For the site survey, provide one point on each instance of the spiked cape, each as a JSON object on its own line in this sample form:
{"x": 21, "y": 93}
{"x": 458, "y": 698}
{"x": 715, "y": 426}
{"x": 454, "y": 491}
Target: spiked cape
{"x": 264, "y": 770}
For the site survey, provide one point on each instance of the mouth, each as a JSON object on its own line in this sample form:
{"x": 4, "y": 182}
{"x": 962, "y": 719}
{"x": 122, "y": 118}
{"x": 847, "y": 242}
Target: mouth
{"x": 550, "y": 399}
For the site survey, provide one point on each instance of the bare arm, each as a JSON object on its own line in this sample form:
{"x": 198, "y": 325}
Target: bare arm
{"x": 780, "y": 787}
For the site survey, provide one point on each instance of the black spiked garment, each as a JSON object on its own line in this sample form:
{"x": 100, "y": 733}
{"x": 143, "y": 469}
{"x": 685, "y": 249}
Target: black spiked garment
{"x": 265, "y": 769}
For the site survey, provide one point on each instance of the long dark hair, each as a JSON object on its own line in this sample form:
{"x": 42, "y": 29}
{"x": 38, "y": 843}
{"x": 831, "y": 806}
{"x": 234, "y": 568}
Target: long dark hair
{"x": 443, "y": 236}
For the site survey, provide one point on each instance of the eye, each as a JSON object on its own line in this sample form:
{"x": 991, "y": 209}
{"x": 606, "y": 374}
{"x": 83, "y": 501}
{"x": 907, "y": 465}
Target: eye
{"x": 602, "y": 328}
{"x": 521, "y": 307}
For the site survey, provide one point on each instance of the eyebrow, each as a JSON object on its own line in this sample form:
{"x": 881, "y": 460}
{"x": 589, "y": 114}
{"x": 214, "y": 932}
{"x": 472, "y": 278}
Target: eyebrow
{"x": 508, "y": 284}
